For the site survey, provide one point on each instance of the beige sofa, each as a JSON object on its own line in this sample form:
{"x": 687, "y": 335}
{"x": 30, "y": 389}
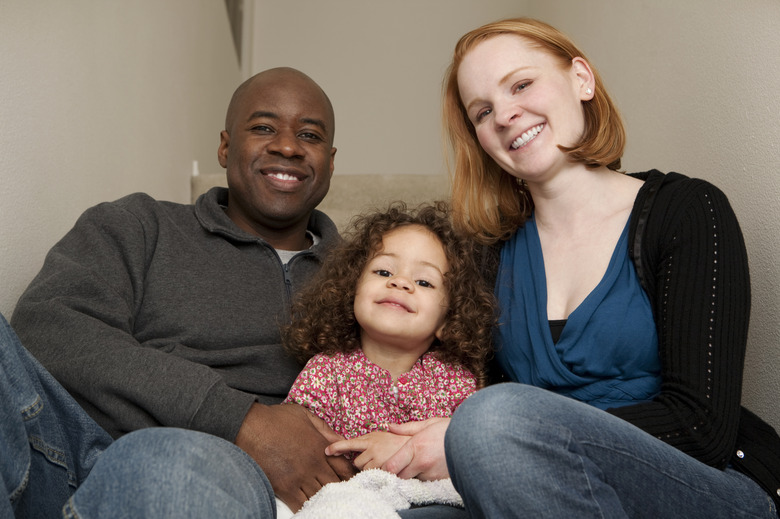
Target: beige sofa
{"x": 353, "y": 194}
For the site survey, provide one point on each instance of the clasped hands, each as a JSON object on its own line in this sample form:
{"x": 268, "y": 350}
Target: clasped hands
{"x": 411, "y": 450}
{"x": 300, "y": 454}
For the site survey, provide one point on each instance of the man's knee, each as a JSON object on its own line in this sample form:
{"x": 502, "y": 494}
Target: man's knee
{"x": 167, "y": 472}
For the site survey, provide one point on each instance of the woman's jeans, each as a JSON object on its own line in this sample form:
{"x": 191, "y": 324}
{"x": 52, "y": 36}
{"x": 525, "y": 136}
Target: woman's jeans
{"x": 56, "y": 461}
{"x": 519, "y": 451}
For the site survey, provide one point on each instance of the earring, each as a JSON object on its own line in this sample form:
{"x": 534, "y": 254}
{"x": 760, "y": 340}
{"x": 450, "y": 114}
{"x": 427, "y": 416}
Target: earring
{"x": 589, "y": 91}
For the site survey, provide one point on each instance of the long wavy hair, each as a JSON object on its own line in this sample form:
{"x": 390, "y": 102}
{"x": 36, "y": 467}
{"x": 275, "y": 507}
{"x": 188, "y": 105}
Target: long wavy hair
{"x": 488, "y": 203}
{"x": 323, "y": 313}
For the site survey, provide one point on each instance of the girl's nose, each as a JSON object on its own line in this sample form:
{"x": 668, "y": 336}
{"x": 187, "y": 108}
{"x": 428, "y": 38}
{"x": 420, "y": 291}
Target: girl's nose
{"x": 401, "y": 283}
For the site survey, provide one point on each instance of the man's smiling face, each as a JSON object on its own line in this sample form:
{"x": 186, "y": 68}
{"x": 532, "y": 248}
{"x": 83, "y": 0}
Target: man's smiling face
{"x": 278, "y": 151}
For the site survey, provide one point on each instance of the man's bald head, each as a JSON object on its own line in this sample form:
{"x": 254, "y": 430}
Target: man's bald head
{"x": 280, "y": 77}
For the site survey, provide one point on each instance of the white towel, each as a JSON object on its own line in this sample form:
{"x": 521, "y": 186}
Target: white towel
{"x": 378, "y": 494}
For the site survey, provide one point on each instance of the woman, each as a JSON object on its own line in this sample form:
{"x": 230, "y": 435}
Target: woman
{"x": 624, "y": 305}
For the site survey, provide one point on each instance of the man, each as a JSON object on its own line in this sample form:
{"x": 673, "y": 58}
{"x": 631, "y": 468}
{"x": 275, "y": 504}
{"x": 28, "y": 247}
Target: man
{"x": 158, "y": 314}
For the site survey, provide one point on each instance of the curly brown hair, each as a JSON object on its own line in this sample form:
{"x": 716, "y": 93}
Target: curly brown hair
{"x": 323, "y": 313}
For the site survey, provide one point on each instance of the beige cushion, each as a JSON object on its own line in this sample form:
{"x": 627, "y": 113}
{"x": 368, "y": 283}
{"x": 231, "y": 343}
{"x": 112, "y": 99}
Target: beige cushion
{"x": 354, "y": 194}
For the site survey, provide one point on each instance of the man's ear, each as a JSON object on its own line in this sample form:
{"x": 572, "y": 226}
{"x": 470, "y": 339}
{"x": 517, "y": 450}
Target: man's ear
{"x": 332, "y": 160}
{"x": 585, "y": 80}
{"x": 222, "y": 151}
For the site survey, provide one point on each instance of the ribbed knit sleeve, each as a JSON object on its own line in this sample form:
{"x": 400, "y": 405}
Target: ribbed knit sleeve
{"x": 694, "y": 257}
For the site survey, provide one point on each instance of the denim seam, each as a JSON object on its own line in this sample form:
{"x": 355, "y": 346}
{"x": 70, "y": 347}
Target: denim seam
{"x": 33, "y": 410}
{"x": 584, "y": 472}
{"x": 18, "y": 491}
{"x": 69, "y": 510}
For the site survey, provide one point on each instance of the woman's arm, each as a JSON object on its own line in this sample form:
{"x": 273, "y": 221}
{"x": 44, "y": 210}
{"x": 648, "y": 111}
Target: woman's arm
{"x": 699, "y": 286}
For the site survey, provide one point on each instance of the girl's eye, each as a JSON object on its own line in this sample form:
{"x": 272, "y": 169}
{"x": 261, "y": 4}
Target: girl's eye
{"x": 383, "y": 273}
{"x": 424, "y": 283}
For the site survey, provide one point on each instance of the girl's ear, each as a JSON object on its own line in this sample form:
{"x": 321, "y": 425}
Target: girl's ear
{"x": 439, "y": 331}
{"x": 584, "y": 80}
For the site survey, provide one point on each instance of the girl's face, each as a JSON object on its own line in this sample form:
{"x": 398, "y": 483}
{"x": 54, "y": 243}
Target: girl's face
{"x": 523, "y": 103}
{"x": 401, "y": 301}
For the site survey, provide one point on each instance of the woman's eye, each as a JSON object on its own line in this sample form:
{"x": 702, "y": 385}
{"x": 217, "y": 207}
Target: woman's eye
{"x": 484, "y": 113}
{"x": 522, "y": 86}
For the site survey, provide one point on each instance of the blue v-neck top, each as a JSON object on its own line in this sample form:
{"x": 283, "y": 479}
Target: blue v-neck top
{"x": 607, "y": 354}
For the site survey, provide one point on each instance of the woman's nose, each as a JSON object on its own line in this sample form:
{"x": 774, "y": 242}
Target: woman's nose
{"x": 508, "y": 113}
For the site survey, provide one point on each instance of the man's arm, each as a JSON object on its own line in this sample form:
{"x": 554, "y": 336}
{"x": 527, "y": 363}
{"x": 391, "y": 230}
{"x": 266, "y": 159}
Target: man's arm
{"x": 148, "y": 320}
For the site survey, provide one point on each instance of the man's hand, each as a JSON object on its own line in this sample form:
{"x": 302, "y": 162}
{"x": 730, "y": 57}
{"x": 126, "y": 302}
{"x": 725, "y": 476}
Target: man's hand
{"x": 421, "y": 457}
{"x": 288, "y": 442}
{"x": 375, "y": 448}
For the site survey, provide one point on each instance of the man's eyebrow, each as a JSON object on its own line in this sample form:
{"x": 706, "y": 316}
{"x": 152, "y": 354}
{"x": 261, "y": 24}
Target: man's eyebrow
{"x": 262, "y": 114}
{"x": 316, "y": 122}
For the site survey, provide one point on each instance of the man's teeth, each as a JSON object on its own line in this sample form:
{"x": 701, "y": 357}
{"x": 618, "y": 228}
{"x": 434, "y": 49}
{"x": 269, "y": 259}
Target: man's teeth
{"x": 283, "y": 176}
{"x": 527, "y": 137}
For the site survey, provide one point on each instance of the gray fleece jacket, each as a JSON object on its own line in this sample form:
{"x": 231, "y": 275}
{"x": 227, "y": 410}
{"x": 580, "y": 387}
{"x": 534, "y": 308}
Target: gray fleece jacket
{"x": 154, "y": 313}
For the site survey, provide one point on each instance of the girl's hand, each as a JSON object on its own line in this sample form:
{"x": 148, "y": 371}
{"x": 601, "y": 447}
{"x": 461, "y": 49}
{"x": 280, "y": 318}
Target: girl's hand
{"x": 375, "y": 448}
{"x": 421, "y": 457}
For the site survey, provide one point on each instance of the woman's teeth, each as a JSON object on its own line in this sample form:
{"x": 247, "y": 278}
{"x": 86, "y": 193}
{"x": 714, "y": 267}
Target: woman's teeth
{"x": 526, "y": 137}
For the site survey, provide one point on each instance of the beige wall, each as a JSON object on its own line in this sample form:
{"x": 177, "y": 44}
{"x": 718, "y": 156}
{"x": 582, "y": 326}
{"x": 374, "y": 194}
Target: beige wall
{"x": 99, "y": 99}
{"x": 697, "y": 82}
{"x": 381, "y": 63}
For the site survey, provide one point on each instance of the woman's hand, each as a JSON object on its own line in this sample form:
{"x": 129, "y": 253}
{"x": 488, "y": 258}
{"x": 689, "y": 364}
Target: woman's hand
{"x": 375, "y": 448}
{"x": 422, "y": 456}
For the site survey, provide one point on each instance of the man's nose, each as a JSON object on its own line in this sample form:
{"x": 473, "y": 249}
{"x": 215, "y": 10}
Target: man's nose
{"x": 286, "y": 144}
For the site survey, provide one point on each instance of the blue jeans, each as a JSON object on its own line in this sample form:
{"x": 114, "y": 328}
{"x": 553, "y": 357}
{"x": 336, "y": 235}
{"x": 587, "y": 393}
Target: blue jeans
{"x": 56, "y": 461}
{"x": 519, "y": 451}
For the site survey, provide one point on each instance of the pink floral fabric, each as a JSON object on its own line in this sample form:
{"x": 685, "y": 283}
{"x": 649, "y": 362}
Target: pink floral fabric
{"x": 355, "y": 396}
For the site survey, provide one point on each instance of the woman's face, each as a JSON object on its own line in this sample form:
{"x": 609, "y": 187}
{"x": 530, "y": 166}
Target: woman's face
{"x": 523, "y": 104}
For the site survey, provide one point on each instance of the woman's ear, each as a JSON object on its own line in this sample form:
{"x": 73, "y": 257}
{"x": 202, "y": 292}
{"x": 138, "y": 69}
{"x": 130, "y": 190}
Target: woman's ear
{"x": 583, "y": 75}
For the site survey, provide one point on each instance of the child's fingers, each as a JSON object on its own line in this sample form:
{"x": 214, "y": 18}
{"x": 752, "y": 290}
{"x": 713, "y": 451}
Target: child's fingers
{"x": 344, "y": 446}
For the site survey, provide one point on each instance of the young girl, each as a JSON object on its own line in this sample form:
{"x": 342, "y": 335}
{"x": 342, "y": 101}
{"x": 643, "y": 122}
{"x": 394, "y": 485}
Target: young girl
{"x": 396, "y": 327}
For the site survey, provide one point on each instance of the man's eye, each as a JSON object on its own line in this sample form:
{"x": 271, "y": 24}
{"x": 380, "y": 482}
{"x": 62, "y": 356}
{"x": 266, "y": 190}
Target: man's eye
{"x": 383, "y": 273}
{"x": 261, "y": 128}
{"x": 311, "y": 136}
